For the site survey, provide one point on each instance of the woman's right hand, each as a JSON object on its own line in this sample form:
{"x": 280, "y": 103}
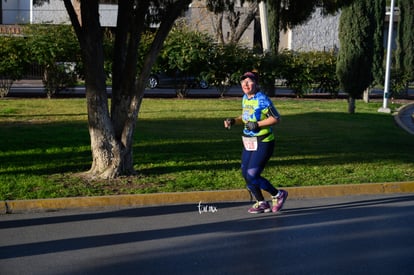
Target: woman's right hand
{"x": 228, "y": 122}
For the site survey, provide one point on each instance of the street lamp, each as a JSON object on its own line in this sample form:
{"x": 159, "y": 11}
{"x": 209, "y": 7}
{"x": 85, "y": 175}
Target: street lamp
{"x": 384, "y": 108}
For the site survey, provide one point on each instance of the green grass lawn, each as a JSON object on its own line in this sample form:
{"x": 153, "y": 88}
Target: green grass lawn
{"x": 181, "y": 145}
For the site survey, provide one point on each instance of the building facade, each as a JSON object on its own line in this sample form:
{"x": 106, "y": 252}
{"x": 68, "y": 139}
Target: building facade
{"x": 48, "y": 12}
{"x": 319, "y": 33}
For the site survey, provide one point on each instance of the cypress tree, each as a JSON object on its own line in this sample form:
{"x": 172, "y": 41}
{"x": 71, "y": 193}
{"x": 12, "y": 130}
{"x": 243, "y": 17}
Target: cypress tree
{"x": 273, "y": 10}
{"x": 378, "y": 58}
{"x": 356, "y": 35}
{"x": 405, "y": 39}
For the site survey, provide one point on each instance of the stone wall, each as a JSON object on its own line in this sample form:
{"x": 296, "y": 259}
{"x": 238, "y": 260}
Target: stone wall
{"x": 51, "y": 12}
{"x": 54, "y": 12}
{"x": 318, "y": 34}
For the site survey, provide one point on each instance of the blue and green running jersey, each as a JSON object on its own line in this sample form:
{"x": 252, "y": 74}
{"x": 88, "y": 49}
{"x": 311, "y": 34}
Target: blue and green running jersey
{"x": 257, "y": 108}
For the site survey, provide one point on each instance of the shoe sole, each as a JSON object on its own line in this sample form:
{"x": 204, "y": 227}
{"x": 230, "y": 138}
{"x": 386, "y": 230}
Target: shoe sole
{"x": 260, "y": 212}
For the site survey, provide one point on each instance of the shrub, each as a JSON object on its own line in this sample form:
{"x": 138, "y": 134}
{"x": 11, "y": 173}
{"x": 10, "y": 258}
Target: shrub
{"x": 52, "y": 46}
{"x": 12, "y": 62}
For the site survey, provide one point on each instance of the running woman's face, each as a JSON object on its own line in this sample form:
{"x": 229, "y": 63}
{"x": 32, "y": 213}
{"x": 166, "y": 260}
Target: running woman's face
{"x": 248, "y": 86}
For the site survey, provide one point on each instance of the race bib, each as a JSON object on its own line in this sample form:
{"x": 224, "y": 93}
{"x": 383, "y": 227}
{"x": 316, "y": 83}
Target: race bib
{"x": 250, "y": 143}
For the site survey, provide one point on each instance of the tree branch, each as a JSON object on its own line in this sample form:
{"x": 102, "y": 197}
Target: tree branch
{"x": 73, "y": 18}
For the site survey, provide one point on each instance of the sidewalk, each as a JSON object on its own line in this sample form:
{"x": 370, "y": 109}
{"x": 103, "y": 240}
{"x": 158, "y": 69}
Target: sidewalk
{"x": 404, "y": 117}
{"x": 28, "y": 82}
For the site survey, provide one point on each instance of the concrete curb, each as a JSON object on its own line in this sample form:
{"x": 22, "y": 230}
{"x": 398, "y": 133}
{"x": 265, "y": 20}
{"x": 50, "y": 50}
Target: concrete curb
{"x": 402, "y": 118}
{"x": 22, "y": 206}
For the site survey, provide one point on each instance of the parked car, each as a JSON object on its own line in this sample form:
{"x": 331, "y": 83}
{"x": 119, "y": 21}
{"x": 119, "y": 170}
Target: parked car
{"x": 172, "y": 79}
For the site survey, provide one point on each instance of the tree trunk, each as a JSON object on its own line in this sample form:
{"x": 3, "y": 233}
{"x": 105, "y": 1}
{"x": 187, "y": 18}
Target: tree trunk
{"x": 107, "y": 160}
{"x": 365, "y": 96}
{"x": 108, "y": 154}
{"x": 351, "y": 105}
{"x": 218, "y": 27}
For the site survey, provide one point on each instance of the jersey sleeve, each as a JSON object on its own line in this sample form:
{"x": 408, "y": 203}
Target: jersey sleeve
{"x": 268, "y": 108}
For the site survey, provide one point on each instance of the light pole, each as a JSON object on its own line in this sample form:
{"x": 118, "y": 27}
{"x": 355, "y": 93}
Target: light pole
{"x": 384, "y": 108}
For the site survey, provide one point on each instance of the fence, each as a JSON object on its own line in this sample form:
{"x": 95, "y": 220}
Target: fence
{"x": 35, "y": 71}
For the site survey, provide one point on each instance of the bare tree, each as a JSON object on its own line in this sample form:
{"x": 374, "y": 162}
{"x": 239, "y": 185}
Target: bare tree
{"x": 237, "y": 18}
{"x": 283, "y": 14}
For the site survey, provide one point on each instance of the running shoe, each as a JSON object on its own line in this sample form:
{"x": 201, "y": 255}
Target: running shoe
{"x": 277, "y": 202}
{"x": 260, "y": 207}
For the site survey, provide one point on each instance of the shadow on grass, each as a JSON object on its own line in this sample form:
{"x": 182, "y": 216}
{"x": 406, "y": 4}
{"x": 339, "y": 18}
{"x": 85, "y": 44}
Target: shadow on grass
{"x": 40, "y": 115}
{"x": 203, "y": 144}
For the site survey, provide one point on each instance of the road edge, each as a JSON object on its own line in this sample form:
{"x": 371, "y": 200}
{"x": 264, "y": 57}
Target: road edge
{"x": 399, "y": 120}
{"x": 195, "y": 197}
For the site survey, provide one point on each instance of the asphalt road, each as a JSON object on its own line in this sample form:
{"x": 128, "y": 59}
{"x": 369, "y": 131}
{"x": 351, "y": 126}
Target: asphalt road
{"x": 30, "y": 90}
{"x": 369, "y": 234}
{"x": 36, "y": 90}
